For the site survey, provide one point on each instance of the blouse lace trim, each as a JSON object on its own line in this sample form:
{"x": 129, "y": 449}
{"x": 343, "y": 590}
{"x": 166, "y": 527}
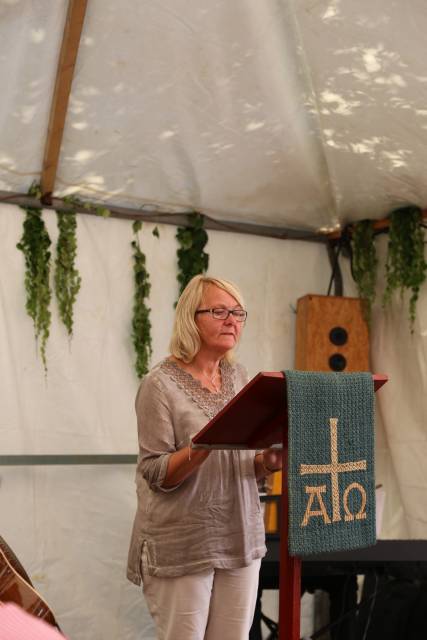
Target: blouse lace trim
{"x": 210, "y": 403}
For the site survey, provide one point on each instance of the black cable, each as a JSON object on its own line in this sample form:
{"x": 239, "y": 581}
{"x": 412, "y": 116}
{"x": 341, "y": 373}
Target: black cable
{"x": 374, "y": 597}
{"x": 344, "y": 596}
{"x": 336, "y": 272}
{"x": 358, "y": 607}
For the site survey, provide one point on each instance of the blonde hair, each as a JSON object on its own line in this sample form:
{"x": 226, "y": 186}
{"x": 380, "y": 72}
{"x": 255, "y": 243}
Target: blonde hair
{"x": 185, "y": 342}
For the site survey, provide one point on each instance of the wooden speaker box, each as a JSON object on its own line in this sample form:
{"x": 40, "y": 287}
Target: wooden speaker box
{"x": 331, "y": 335}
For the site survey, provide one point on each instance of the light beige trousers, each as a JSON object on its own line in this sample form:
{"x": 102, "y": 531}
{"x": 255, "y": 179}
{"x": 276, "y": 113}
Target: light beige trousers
{"x": 218, "y": 604}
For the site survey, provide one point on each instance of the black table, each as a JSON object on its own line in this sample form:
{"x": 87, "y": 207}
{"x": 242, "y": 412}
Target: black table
{"x": 337, "y": 574}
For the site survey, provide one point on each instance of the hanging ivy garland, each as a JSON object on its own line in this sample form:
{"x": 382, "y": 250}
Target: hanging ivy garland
{"x": 141, "y": 324}
{"x": 35, "y": 244}
{"x": 364, "y": 264}
{"x": 405, "y": 265}
{"x": 77, "y": 203}
{"x": 192, "y": 258}
{"x": 67, "y": 277}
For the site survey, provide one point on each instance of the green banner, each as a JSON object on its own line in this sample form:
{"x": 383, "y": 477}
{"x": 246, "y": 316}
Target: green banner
{"x": 331, "y": 461}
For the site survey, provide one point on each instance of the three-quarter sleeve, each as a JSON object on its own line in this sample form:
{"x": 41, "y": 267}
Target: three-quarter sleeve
{"x": 156, "y": 436}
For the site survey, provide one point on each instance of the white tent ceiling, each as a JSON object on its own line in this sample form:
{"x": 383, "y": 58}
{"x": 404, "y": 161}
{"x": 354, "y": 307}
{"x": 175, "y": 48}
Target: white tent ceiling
{"x": 290, "y": 113}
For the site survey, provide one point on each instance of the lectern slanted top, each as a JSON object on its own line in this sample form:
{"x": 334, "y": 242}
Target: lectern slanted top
{"x": 255, "y": 417}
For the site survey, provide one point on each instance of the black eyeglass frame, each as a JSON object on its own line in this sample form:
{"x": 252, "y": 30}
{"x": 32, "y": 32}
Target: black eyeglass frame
{"x": 229, "y": 312}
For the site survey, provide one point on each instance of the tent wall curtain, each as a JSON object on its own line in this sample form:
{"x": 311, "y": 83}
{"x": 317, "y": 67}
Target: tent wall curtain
{"x": 70, "y": 525}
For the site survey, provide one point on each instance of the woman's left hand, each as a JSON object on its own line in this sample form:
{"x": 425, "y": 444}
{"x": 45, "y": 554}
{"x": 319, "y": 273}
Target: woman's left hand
{"x": 267, "y": 462}
{"x": 273, "y": 459}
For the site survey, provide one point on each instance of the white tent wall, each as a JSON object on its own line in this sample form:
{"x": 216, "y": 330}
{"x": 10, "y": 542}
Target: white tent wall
{"x": 403, "y": 405}
{"x": 70, "y": 525}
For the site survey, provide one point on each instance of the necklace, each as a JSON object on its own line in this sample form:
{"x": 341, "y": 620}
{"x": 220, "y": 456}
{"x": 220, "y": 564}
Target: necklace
{"x": 212, "y": 380}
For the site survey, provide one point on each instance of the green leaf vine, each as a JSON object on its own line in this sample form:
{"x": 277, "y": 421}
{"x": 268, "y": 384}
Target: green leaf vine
{"x": 35, "y": 245}
{"x": 192, "y": 258}
{"x": 364, "y": 264}
{"x": 405, "y": 265}
{"x": 67, "y": 278}
{"x": 77, "y": 203}
{"x": 141, "y": 324}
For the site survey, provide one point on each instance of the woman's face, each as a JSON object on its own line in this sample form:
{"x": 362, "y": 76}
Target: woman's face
{"x": 218, "y": 335}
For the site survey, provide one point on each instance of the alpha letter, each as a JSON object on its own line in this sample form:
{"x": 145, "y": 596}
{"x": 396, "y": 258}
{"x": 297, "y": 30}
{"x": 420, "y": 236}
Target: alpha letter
{"x": 315, "y": 492}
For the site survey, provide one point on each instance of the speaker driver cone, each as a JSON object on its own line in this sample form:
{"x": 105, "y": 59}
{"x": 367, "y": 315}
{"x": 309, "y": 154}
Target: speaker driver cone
{"x": 338, "y": 336}
{"x": 337, "y": 362}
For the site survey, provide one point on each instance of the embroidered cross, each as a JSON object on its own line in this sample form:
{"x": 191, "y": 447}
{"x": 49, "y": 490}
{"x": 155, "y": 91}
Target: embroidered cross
{"x": 333, "y": 469}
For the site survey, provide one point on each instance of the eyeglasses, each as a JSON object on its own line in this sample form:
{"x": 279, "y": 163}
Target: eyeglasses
{"x": 220, "y": 313}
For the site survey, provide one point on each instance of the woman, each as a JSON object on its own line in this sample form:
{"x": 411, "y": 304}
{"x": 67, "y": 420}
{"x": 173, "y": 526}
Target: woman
{"x": 198, "y": 536}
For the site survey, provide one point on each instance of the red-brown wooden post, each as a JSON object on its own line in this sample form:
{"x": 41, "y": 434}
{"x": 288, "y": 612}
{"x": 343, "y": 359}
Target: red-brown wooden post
{"x": 290, "y": 566}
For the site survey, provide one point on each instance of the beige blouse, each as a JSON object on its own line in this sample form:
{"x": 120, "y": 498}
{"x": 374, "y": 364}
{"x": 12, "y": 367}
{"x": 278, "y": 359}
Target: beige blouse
{"x": 213, "y": 518}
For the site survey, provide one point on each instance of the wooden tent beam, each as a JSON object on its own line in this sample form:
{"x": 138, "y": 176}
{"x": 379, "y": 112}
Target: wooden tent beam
{"x": 180, "y": 219}
{"x": 163, "y": 217}
{"x": 377, "y": 225}
{"x": 58, "y": 110}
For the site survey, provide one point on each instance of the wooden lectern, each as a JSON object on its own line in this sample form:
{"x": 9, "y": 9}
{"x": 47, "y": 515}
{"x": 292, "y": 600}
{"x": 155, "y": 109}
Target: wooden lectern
{"x": 257, "y": 418}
